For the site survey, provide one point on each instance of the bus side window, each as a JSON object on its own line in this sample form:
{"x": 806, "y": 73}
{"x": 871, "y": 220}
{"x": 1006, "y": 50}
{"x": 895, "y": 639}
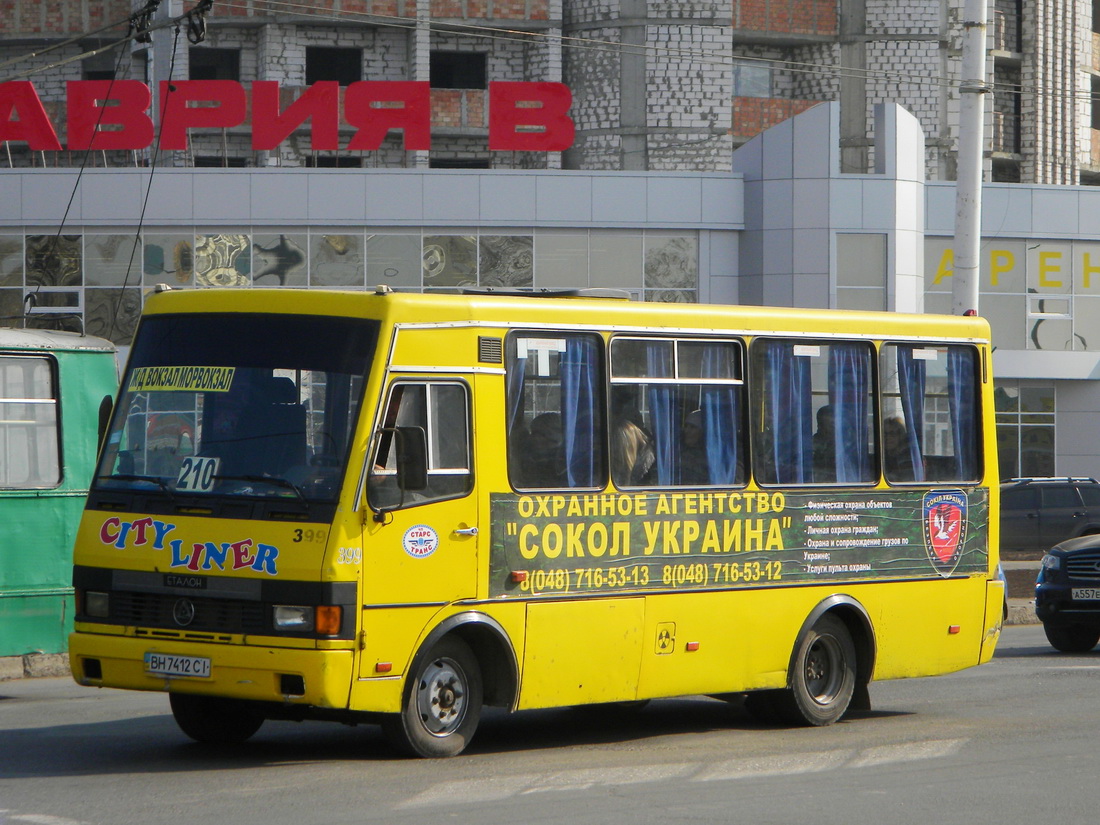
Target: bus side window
{"x": 439, "y": 410}
{"x": 931, "y": 412}
{"x": 678, "y": 414}
{"x": 815, "y": 412}
{"x": 556, "y": 429}
{"x": 29, "y": 424}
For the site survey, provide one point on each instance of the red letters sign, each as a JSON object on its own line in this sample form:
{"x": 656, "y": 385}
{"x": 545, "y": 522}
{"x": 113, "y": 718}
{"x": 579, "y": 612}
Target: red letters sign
{"x": 523, "y": 117}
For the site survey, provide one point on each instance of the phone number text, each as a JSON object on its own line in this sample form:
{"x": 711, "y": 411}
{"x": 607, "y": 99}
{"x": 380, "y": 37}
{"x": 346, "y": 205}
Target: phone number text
{"x": 565, "y": 580}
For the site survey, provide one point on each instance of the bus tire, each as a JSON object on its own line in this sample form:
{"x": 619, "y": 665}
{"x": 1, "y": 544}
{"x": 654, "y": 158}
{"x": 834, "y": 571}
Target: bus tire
{"x": 215, "y": 721}
{"x": 823, "y": 675}
{"x": 442, "y": 703}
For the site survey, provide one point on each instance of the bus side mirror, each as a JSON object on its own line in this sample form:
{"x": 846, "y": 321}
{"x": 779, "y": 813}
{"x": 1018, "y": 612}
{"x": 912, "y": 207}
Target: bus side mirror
{"x": 105, "y": 408}
{"x": 412, "y": 458}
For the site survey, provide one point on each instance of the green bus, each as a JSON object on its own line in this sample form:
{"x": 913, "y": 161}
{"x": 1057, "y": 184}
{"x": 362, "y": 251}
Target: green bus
{"x": 56, "y": 392}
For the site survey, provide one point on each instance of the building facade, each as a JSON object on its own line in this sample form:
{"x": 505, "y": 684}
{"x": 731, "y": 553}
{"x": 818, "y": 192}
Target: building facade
{"x": 703, "y": 167}
{"x": 656, "y": 85}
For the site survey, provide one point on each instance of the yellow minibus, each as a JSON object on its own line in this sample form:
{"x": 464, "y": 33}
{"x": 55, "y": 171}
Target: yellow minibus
{"x": 399, "y": 508}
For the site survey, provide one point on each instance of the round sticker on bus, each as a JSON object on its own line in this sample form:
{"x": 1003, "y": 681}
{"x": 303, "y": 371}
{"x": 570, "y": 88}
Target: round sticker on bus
{"x": 420, "y": 541}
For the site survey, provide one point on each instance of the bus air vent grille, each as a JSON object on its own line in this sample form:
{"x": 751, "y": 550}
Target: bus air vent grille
{"x": 490, "y": 350}
{"x": 212, "y": 615}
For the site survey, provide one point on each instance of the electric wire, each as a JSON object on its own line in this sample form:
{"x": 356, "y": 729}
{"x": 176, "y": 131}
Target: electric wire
{"x": 71, "y": 41}
{"x": 30, "y": 299}
{"x": 136, "y": 33}
{"x": 828, "y": 72}
{"x": 833, "y": 72}
{"x": 148, "y": 192}
{"x": 496, "y": 32}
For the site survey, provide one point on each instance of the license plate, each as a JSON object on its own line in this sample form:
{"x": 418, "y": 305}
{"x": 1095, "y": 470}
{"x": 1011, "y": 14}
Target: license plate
{"x": 1086, "y": 594}
{"x": 161, "y": 664}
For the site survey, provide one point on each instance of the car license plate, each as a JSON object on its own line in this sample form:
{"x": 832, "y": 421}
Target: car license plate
{"x": 1086, "y": 594}
{"x": 161, "y": 664}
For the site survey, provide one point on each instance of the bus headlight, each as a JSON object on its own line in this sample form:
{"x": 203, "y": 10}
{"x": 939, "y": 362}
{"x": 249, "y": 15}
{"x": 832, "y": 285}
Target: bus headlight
{"x": 297, "y": 618}
{"x": 97, "y": 604}
{"x": 325, "y": 619}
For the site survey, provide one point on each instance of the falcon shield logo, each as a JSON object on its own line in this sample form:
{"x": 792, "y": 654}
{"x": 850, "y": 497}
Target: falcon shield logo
{"x": 944, "y": 528}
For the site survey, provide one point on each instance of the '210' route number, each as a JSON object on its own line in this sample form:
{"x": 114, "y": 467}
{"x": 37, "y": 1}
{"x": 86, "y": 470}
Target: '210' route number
{"x": 349, "y": 555}
{"x": 197, "y": 474}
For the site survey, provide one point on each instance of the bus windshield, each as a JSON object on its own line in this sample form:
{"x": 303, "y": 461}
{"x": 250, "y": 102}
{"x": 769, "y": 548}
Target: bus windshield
{"x": 231, "y": 405}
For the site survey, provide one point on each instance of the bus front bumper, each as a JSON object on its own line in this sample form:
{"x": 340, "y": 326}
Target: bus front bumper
{"x": 320, "y": 678}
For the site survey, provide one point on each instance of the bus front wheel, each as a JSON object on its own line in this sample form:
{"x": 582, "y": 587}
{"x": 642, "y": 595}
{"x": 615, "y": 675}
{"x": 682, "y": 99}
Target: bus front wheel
{"x": 823, "y": 675}
{"x": 442, "y": 703}
{"x": 215, "y": 721}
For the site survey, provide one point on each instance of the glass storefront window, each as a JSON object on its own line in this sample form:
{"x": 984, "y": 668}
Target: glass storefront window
{"x": 1025, "y": 428}
{"x": 97, "y": 282}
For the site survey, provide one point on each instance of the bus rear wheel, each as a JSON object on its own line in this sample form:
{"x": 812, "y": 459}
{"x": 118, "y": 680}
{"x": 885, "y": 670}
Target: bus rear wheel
{"x": 442, "y": 703}
{"x": 823, "y": 675}
{"x": 215, "y": 721}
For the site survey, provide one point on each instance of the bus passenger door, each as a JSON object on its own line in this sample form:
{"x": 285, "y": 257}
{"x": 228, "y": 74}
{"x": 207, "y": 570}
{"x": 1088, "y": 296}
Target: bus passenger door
{"x": 420, "y": 536}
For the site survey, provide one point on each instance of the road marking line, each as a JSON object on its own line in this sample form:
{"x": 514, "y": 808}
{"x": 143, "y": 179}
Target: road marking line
{"x": 493, "y": 790}
{"x": 581, "y": 779}
{"x": 906, "y": 752}
{"x": 44, "y": 819}
{"x": 782, "y": 765}
{"x": 1074, "y": 667}
{"x": 471, "y": 791}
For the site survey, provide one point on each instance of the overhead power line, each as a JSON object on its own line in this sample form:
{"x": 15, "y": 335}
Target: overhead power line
{"x": 140, "y": 29}
{"x": 312, "y": 11}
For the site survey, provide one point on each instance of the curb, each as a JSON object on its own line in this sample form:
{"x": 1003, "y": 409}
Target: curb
{"x": 1021, "y": 611}
{"x": 33, "y": 665}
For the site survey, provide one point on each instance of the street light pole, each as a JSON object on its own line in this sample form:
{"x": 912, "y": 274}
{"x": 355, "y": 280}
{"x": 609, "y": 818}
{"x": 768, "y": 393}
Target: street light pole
{"x": 968, "y": 182}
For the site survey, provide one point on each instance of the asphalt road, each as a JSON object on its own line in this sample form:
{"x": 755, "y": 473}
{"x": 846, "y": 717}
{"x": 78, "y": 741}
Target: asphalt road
{"x": 1012, "y": 741}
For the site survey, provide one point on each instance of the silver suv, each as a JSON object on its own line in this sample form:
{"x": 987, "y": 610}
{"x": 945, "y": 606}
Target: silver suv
{"x": 1037, "y": 513}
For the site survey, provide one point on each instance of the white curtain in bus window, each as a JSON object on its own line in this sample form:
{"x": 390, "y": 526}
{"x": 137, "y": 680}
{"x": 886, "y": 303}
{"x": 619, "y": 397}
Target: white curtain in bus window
{"x": 814, "y": 408}
{"x": 677, "y": 412}
{"x": 28, "y": 424}
{"x": 556, "y": 410}
{"x": 930, "y": 412}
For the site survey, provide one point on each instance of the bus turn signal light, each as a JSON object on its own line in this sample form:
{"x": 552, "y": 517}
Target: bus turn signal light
{"x": 328, "y": 619}
{"x": 953, "y": 629}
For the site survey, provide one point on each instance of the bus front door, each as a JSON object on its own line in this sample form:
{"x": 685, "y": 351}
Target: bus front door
{"x": 420, "y": 543}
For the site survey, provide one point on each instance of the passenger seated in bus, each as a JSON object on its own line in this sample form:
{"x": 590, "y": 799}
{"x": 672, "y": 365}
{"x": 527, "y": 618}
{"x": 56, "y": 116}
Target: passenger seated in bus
{"x": 632, "y": 456}
{"x": 824, "y": 446}
{"x": 895, "y": 448}
{"x": 543, "y": 459}
{"x": 694, "y": 466}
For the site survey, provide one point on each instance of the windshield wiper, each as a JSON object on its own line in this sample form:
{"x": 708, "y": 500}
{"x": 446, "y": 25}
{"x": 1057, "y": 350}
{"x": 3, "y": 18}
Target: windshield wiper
{"x": 160, "y": 482}
{"x": 274, "y": 481}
